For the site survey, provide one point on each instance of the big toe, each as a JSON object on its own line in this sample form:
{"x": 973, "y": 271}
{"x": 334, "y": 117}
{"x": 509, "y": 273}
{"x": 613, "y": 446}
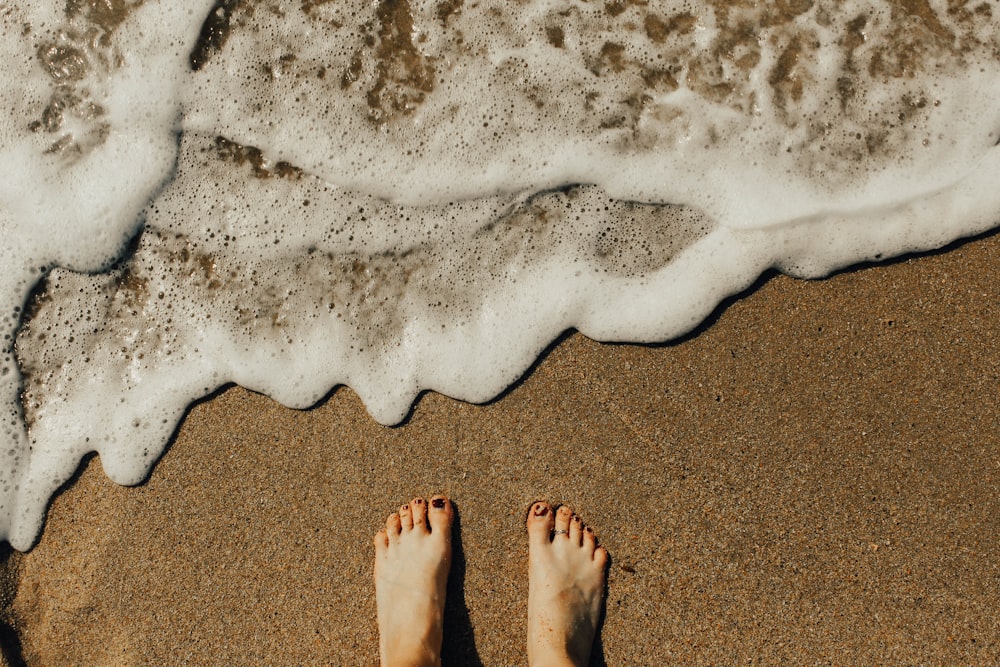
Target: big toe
{"x": 440, "y": 515}
{"x": 540, "y": 523}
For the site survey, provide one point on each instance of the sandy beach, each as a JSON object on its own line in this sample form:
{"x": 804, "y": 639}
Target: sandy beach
{"x": 811, "y": 478}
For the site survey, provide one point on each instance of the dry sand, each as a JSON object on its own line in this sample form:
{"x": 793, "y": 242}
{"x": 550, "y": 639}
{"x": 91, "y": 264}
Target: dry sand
{"x": 813, "y": 478}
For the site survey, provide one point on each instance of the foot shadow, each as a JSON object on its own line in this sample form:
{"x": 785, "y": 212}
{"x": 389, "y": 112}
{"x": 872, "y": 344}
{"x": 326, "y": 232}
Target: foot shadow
{"x": 597, "y": 652}
{"x": 459, "y": 646}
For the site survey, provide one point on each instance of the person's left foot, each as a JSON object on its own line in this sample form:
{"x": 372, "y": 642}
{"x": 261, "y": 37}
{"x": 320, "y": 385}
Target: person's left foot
{"x": 412, "y": 558}
{"x": 565, "y": 587}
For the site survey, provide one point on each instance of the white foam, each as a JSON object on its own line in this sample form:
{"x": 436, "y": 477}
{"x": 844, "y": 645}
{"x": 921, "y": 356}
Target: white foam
{"x": 438, "y": 190}
{"x": 88, "y": 136}
{"x": 556, "y": 117}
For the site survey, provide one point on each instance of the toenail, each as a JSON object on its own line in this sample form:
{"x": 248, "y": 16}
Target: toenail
{"x": 589, "y": 529}
{"x": 438, "y": 503}
{"x": 404, "y": 508}
{"x": 541, "y": 510}
{"x": 418, "y": 501}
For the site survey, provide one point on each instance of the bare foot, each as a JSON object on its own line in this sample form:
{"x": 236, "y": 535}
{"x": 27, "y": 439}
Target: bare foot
{"x": 412, "y": 557}
{"x": 565, "y": 587}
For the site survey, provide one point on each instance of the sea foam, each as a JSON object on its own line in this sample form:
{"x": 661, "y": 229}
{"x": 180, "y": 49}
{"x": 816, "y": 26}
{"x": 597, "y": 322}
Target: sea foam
{"x": 401, "y": 196}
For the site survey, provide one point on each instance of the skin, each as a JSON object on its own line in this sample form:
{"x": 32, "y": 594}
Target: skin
{"x": 566, "y": 572}
{"x": 565, "y": 587}
{"x": 412, "y": 558}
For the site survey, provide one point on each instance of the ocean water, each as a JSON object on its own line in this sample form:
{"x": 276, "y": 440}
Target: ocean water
{"x": 402, "y": 195}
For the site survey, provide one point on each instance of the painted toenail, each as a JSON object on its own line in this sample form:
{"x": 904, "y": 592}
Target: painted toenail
{"x": 418, "y": 501}
{"x": 438, "y": 503}
{"x": 541, "y": 510}
{"x": 404, "y": 508}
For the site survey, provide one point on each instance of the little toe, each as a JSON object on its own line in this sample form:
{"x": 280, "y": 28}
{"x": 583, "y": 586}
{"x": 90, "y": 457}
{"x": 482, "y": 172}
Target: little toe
{"x": 381, "y": 542}
{"x": 540, "y": 523}
{"x": 564, "y": 516}
{"x": 440, "y": 515}
{"x": 601, "y": 557}
{"x": 406, "y": 518}
{"x": 418, "y": 511}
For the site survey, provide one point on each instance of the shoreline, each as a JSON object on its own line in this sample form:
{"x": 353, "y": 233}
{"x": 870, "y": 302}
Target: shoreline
{"x": 811, "y": 476}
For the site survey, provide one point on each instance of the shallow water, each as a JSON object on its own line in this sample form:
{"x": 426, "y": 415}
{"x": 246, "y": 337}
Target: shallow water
{"x": 401, "y": 196}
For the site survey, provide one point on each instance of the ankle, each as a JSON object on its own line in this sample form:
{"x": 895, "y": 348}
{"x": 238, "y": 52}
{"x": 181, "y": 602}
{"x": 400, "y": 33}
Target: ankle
{"x": 553, "y": 658}
{"x": 550, "y": 651}
{"x": 423, "y": 656}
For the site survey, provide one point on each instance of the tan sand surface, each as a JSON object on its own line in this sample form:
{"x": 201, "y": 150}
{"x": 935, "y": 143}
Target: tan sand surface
{"x": 813, "y": 478}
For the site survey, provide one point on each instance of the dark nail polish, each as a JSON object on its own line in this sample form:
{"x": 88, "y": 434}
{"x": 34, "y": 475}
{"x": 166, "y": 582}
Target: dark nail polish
{"x": 404, "y": 508}
{"x": 541, "y": 510}
{"x": 418, "y": 501}
{"x": 438, "y": 503}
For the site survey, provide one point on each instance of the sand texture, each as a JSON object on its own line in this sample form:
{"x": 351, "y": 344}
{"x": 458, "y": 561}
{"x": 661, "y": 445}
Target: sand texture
{"x": 812, "y": 478}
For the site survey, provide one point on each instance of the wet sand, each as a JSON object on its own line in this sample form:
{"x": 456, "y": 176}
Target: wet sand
{"x": 812, "y": 478}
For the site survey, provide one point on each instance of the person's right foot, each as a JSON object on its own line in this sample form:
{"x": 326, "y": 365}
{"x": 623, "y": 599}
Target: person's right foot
{"x": 565, "y": 587}
{"x": 412, "y": 558}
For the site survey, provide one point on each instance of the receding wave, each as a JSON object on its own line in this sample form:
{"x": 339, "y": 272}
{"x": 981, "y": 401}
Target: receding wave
{"x": 402, "y": 195}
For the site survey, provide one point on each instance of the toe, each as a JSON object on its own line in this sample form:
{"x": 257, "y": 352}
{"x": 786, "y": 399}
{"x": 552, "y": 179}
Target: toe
{"x": 576, "y": 530}
{"x": 589, "y": 539}
{"x": 439, "y": 515}
{"x": 564, "y": 516}
{"x": 540, "y": 522}
{"x": 418, "y": 510}
{"x": 392, "y": 527}
{"x": 601, "y": 557}
{"x": 381, "y": 542}
{"x": 406, "y": 518}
